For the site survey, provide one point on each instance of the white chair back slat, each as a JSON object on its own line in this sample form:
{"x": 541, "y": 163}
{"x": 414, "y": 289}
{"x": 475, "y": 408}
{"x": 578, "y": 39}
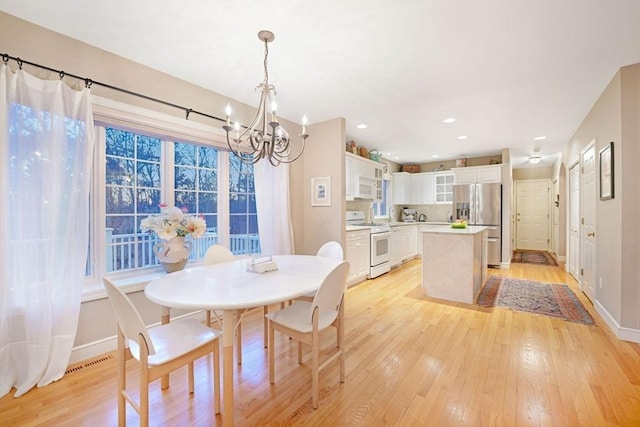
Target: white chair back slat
{"x": 129, "y": 320}
{"x": 329, "y": 294}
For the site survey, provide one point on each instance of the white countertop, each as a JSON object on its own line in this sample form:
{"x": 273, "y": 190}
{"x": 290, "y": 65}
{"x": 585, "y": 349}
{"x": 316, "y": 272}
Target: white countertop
{"x": 447, "y": 229}
{"x": 357, "y": 227}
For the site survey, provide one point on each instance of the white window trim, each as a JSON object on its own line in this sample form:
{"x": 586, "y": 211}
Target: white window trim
{"x": 110, "y": 113}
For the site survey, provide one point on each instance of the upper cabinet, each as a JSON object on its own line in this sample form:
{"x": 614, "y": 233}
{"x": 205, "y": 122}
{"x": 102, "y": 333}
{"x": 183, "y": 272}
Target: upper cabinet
{"x": 363, "y": 178}
{"x": 478, "y": 174}
{"x": 422, "y": 188}
{"x": 443, "y": 187}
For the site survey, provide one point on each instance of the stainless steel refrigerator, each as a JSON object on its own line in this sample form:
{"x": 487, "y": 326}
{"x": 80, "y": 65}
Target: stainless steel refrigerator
{"x": 481, "y": 204}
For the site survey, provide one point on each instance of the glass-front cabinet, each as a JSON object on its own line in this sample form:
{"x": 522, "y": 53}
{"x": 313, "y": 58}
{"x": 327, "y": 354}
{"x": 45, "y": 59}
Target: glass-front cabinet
{"x": 444, "y": 187}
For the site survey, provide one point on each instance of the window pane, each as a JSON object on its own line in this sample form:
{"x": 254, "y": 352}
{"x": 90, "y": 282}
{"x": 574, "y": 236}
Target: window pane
{"x": 148, "y": 174}
{"x": 185, "y": 178}
{"x": 119, "y": 171}
{"x": 185, "y": 154}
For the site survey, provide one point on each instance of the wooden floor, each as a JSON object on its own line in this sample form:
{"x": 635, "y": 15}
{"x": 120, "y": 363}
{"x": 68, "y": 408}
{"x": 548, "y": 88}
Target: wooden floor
{"x": 410, "y": 360}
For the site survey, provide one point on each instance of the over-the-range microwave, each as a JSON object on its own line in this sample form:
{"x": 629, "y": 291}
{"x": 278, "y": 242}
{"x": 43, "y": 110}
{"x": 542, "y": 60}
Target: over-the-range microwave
{"x": 366, "y": 188}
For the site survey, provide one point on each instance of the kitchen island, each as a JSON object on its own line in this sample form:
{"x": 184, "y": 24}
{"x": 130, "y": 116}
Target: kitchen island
{"x": 454, "y": 262}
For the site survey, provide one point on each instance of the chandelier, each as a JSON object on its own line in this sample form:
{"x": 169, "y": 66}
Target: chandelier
{"x": 264, "y": 138}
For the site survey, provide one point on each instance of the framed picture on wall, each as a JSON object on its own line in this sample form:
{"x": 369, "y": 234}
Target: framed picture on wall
{"x": 606, "y": 172}
{"x": 321, "y": 191}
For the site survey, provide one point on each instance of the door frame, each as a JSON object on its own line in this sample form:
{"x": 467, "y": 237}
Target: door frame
{"x": 575, "y": 162}
{"x": 515, "y": 191}
{"x": 583, "y": 235}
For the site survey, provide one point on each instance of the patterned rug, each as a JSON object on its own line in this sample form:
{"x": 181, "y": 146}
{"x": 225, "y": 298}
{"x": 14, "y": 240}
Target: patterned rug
{"x": 552, "y": 300}
{"x": 533, "y": 257}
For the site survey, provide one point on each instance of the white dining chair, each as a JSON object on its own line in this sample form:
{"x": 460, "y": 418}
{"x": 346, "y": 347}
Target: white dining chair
{"x": 303, "y": 321}
{"x": 331, "y": 249}
{"x": 217, "y": 254}
{"x": 159, "y": 350}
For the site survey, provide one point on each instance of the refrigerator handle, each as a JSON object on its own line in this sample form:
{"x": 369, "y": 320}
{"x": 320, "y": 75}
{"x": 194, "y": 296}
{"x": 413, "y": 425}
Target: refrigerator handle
{"x": 473, "y": 211}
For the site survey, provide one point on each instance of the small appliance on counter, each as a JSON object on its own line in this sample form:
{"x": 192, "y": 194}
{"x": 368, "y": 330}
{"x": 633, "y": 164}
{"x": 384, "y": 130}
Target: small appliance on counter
{"x": 422, "y": 218}
{"x": 409, "y": 215}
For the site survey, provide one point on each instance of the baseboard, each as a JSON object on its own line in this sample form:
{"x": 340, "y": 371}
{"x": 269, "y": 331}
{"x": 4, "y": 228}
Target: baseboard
{"x": 625, "y": 334}
{"x": 109, "y": 344}
{"x": 505, "y": 265}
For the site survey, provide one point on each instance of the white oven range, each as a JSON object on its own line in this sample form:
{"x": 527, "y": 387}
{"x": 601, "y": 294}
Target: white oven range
{"x": 379, "y": 248}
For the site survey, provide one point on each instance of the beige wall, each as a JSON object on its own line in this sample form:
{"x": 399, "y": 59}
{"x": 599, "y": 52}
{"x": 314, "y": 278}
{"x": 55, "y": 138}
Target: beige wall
{"x": 614, "y": 117}
{"x": 524, "y": 174}
{"x": 324, "y": 156}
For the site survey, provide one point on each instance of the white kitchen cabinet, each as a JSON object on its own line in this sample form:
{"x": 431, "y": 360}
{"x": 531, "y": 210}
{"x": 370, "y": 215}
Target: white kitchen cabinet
{"x": 443, "y": 187}
{"x": 359, "y": 166}
{"x": 478, "y": 174}
{"x": 414, "y": 189}
{"x": 404, "y": 243}
{"x": 357, "y": 253}
{"x": 424, "y": 188}
{"x": 402, "y": 188}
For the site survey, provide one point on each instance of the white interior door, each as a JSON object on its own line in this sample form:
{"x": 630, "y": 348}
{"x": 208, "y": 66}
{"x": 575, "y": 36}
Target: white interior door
{"x": 573, "y": 253}
{"x": 532, "y": 214}
{"x": 588, "y": 235}
{"x": 555, "y": 216}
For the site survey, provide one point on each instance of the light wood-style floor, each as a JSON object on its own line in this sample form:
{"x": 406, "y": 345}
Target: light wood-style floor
{"x": 411, "y": 361}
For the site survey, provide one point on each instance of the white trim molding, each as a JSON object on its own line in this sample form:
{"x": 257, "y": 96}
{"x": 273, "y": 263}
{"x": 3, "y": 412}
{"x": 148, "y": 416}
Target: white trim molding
{"x": 623, "y": 333}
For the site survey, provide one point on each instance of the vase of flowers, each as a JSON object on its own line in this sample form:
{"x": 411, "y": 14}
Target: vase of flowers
{"x": 172, "y": 225}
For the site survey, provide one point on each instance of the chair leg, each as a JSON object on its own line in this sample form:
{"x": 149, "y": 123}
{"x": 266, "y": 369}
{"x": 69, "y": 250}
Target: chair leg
{"x": 190, "y": 374}
{"x": 216, "y": 375}
{"x": 144, "y": 388}
{"x": 122, "y": 380}
{"x": 265, "y": 321}
{"x": 239, "y": 336}
{"x": 341, "y": 340}
{"x": 208, "y": 318}
{"x": 314, "y": 368}
{"x": 271, "y": 353}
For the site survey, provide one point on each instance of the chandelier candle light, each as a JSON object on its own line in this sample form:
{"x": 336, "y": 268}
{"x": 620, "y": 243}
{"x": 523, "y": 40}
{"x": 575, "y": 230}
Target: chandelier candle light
{"x": 264, "y": 138}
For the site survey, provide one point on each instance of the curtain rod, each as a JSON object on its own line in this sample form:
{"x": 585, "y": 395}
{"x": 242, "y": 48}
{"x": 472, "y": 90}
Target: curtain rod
{"x": 89, "y": 82}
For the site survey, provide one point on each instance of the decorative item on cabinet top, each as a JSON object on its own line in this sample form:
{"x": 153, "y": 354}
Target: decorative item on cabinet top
{"x": 411, "y": 168}
{"x": 375, "y": 155}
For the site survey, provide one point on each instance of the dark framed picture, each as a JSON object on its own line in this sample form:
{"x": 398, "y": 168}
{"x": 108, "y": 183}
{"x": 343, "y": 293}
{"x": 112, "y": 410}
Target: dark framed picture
{"x": 606, "y": 172}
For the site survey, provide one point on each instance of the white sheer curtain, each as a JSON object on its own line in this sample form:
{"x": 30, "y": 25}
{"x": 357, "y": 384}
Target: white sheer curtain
{"x": 272, "y": 204}
{"x": 46, "y": 147}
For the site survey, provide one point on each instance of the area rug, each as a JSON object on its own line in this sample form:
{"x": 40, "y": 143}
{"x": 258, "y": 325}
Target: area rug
{"x": 533, "y": 257}
{"x": 554, "y": 300}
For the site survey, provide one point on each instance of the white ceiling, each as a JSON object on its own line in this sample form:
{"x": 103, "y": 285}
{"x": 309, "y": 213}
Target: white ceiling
{"x": 508, "y": 71}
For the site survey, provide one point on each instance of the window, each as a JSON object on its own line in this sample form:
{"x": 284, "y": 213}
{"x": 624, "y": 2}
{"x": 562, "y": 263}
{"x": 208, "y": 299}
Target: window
{"x": 132, "y": 192}
{"x": 196, "y": 189}
{"x": 243, "y": 218}
{"x": 143, "y": 171}
{"x": 381, "y": 208}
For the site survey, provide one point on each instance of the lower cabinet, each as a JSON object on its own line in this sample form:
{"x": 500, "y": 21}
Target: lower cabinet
{"x": 357, "y": 253}
{"x": 404, "y": 243}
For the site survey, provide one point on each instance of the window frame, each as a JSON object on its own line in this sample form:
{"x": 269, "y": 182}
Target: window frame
{"x": 170, "y": 129}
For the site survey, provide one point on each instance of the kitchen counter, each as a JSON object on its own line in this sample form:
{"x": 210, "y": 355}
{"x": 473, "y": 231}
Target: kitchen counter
{"x": 454, "y": 262}
{"x": 471, "y": 229}
{"x": 357, "y": 227}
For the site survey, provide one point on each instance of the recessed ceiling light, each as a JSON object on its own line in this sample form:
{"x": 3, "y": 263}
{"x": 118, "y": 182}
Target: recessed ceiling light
{"x": 396, "y": 157}
{"x": 539, "y": 138}
{"x": 388, "y": 154}
{"x": 362, "y": 126}
{"x": 461, "y": 137}
{"x": 449, "y": 120}
{"x": 435, "y": 156}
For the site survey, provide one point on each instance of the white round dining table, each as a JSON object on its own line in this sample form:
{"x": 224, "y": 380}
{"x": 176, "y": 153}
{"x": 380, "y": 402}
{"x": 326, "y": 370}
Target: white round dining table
{"x": 230, "y": 287}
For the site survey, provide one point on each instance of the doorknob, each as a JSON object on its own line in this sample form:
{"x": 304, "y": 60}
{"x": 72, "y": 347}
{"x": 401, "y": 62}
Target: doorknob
{"x": 591, "y": 234}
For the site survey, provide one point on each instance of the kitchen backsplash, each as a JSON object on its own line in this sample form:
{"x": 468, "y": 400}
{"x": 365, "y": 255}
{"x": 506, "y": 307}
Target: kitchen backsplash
{"x": 434, "y": 213}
